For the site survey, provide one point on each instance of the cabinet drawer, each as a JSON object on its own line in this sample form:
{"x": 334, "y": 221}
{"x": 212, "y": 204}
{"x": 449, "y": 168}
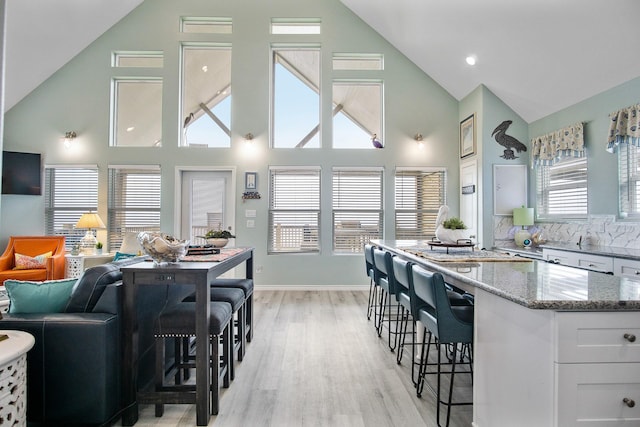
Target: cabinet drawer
{"x": 559, "y": 257}
{"x": 626, "y": 267}
{"x": 596, "y": 337}
{"x": 595, "y": 262}
{"x": 593, "y": 394}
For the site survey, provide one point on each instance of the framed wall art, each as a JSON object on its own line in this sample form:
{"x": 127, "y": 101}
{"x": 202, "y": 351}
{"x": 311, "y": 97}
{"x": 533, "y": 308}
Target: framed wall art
{"x": 250, "y": 180}
{"x": 468, "y": 137}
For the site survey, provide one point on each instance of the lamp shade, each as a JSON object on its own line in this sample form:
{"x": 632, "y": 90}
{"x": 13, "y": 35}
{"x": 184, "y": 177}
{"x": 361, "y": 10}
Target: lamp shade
{"x": 90, "y": 220}
{"x": 523, "y": 216}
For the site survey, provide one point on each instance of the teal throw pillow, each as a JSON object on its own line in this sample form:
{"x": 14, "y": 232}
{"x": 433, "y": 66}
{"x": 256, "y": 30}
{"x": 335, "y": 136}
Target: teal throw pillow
{"x": 50, "y": 296}
{"x": 122, "y": 255}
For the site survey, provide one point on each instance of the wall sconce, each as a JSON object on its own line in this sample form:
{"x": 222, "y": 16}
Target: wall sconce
{"x": 69, "y": 137}
{"x": 418, "y": 138}
{"x": 248, "y": 138}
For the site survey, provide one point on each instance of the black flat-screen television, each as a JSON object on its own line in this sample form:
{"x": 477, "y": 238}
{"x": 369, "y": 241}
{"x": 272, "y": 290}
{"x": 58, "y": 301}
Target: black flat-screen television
{"x": 21, "y": 173}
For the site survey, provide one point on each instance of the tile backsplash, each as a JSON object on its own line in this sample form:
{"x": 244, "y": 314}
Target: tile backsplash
{"x": 600, "y": 230}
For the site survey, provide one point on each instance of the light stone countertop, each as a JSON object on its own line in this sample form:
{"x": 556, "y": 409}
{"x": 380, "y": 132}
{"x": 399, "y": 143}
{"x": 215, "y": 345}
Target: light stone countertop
{"x": 533, "y": 284}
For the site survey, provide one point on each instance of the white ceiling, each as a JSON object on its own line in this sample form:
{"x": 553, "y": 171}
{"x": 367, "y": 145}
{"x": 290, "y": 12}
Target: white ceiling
{"x": 43, "y": 35}
{"x": 538, "y": 56}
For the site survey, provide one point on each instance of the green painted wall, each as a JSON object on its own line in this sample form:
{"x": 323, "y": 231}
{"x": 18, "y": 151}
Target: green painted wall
{"x": 490, "y": 111}
{"x": 602, "y": 166}
{"x": 77, "y": 98}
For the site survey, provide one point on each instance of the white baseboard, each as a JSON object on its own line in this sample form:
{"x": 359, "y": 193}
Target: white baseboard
{"x": 312, "y": 287}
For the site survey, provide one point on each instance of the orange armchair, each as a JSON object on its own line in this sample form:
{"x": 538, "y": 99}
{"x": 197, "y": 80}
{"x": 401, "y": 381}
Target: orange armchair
{"x": 33, "y": 246}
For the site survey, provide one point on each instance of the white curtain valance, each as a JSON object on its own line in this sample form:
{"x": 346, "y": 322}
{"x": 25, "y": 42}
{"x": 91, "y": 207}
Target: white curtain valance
{"x": 624, "y": 128}
{"x": 552, "y": 147}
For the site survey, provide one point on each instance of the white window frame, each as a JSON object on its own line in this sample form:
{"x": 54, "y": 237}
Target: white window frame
{"x": 417, "y": 204}
{"x": 562, "y": 199}
{"x": 357, "y": 207}
{"x": 294, "y": 195}
{"x": 70, "y": 191}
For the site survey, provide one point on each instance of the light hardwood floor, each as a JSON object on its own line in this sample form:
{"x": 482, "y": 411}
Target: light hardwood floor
{"x": 316, "y": 360}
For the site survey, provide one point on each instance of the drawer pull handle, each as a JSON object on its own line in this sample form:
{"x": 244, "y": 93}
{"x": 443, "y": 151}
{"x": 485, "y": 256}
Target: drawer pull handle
{"x": 637, "y": 271}
{"x": 629, "y": 402}
{"x": 592, "y": 265}
{"x": 630, "y": 337}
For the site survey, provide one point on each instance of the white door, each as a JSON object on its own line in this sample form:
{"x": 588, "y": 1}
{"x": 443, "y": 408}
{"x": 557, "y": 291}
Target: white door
{"x": 469, "y": 197}
{"x": 207, "y": 203}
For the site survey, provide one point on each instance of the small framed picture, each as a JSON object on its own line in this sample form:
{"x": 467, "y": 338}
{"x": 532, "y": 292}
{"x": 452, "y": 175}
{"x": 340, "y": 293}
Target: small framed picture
{"x": 467, "y": 137}
{"x": 250, "y": 180}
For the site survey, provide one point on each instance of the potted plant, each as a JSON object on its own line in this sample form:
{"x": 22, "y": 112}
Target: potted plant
{"x": 99, "y": 248}
{"x": 218, "y": 238}
{"x": 452, "y": 230}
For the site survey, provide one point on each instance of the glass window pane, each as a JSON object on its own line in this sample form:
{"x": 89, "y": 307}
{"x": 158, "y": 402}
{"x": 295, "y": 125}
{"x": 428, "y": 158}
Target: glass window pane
{"x": 138, "y": 59}
{"x": 294, "y": 210}
{"x": 355, "y": 61}
{"x": 357, "y": 108}
{"x": 207, "y": 25}
{"x": 138, "y": 113}
{"x": 562, "y": 189}
{"x": 419, "y": 195}
{"x": 357, "y": 208}
{"x": 287, "y": 26}
{"x": 296, "y": 100}
{"x": 206, "y": 96}
{"x": 69, "y": 192}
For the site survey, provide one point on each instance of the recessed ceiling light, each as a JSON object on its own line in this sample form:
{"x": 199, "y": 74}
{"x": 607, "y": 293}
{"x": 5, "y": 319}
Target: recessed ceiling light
{"x": 131, "y": 128}
{"x": 471, "y": 60}
{"x": 205, "y": 68}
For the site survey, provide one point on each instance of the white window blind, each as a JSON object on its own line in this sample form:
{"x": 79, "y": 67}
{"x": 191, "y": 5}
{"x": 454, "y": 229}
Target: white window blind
{"x": 134, "y": 201}
{"x": 629, "y": 180}
{"x": 69, "y": 192}
{"x": 419, "y": 195}
{"x": 562, "y": 189}
{"x": 294, "y": 210}
{"x": 357, "y": 208}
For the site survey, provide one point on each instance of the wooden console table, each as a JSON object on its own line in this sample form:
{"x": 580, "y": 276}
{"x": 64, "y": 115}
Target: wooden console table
{"x": 198, "y": 274}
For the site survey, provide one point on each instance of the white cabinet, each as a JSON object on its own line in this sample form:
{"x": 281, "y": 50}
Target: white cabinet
{"x": 578, "y": 259}
{"x": 597, "y": 369}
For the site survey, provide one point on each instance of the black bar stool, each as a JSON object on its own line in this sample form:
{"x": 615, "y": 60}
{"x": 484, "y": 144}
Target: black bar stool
{"x": 373, "y": 286}
{"x": 383, "y": 267}
{"x": 247, "y": 287}
{"x": 179, "y": 322}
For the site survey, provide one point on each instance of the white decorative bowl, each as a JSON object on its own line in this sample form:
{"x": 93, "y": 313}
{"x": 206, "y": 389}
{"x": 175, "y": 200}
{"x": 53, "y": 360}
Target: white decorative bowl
{"x": 218, "y": 242}
{"x": 161, "y": 247}
{"x": 446, "y": 235}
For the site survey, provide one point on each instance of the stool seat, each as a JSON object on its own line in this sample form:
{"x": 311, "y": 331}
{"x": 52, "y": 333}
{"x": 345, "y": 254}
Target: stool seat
{"x": 245, "y": 284}
{"x": 180, "y": 320}
{"x": 233, "y": 296}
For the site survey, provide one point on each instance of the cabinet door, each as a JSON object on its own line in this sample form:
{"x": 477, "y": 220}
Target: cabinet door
{"x": 593, "y": 394}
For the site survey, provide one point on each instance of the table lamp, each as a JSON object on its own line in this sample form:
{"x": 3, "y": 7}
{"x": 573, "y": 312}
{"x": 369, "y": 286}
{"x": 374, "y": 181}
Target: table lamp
{"x": 89, "y": 221}
{"x": 523, "y": 217}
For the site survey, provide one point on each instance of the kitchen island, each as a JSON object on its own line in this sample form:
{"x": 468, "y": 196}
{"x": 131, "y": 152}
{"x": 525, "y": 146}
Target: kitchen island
{"x": 553, "y": 345}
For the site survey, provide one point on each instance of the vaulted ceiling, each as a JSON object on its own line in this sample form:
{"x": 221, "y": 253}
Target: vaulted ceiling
{"x": 538, "y": 56}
